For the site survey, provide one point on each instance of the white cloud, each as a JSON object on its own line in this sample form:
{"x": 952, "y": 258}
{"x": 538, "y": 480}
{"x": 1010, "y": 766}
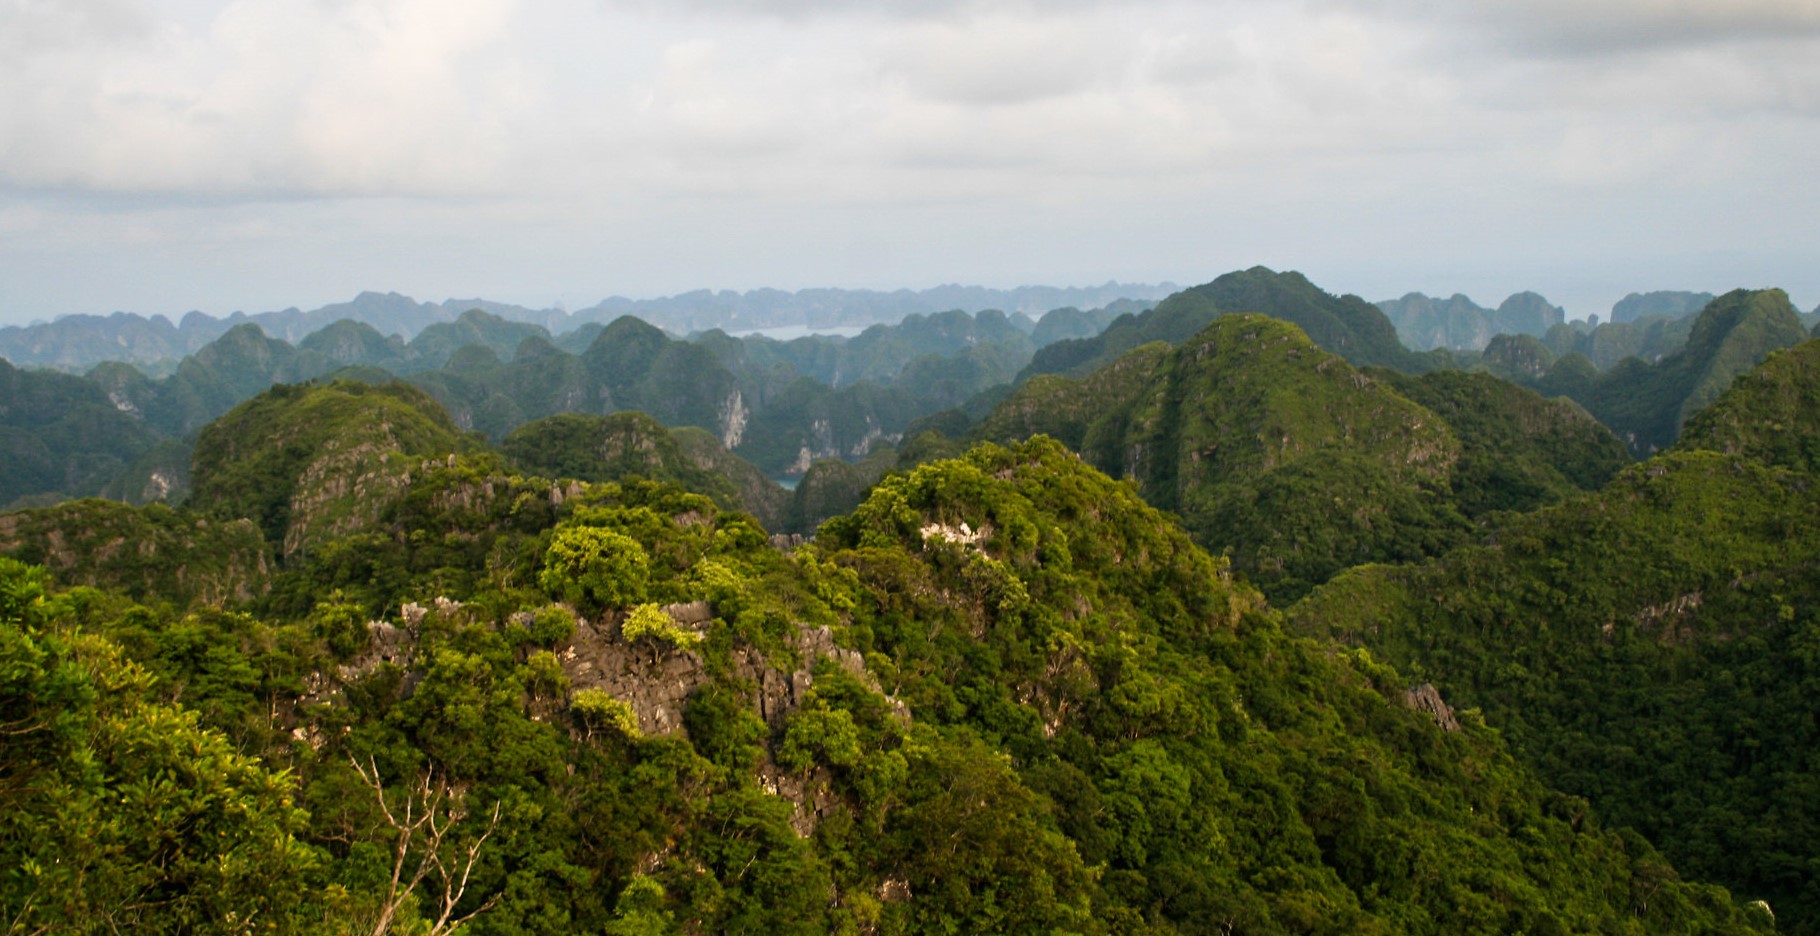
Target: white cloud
{"x": 999, "y": 59}
{"x": 282, "y": 96}
{"x": 882, "y": 139}
{"x": 1595, "y": 27}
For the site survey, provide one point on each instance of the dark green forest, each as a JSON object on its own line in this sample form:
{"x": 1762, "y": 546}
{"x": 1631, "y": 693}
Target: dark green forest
{"x": 1002, "y": 695}
{"x": 1235, "y": 616}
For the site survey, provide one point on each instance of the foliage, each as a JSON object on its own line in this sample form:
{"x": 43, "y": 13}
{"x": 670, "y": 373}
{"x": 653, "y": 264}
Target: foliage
{"x": 1212, "y": 768}
{"x": 1002, "y": 694}
{"x": 599, "y": 709}
{"x": 439, "y": 342}
{"x": 594, "y": 568}
{"x": 1648, "y": 338}
{"x": 649, "y": 622}
{"x": 306, "y": 462}
{"x": 609, "y": 448}
{"x": 1646, "y": 404}
{"x": 1343, "y": 325}
{"x": 1646, "y": 648}
{"x": 832, "y": 487}
{"x": 1518, "y": 451}
{"x": 60, "y": 434}
{"x": 756, "y": 494}
{"x": 122, "y": 812}
{"x": 1270, "y": 449}
{"x": 1652, "y": 385}
{"x": 150, "y": 553}
{"x": 1771, "y": 414}
{"x": 551, "y": 625}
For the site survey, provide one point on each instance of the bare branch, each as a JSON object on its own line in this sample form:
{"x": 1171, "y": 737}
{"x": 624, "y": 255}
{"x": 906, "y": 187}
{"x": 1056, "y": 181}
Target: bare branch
{"x": 431, "y": 812}
{"x": 452, "y": 892}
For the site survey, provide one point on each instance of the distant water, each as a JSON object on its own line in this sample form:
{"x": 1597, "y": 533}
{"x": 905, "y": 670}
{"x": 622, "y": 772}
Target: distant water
{"x": 789, "y": 483}
{"x": 787, "y": 332}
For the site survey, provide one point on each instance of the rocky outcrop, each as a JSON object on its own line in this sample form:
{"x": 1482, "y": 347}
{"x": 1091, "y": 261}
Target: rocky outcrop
{"x": 152, "y": 553}
{"x": 658, "y": 685}
{"x": 1427, "y": 699}
{"x": 345, "y": 489}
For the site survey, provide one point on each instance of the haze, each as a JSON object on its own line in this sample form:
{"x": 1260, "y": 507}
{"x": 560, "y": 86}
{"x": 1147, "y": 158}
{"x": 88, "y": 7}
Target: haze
{"x": 256, "y": 154}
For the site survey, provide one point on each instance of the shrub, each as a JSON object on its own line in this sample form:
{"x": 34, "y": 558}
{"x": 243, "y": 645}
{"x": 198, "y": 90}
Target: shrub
{"x": 598, "y": 708}
{"x": 594, "y": 568}
{"x": 650, "y": 621}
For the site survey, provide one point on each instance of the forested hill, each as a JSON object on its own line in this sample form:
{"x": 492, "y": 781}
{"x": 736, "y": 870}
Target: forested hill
{"x": 1771, "y": 414}
{"x": 59, "y": 432}
{"x": 1651, "y": 646}
{"x": 1300, "y": 465}
{"x": 1344, "y": 325}
{"x": 1002, "y": 695}
{"x": 1645, "y": 403}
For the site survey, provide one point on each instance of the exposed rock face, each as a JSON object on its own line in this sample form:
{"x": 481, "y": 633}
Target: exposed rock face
{"x": 733, "y": 418}
{"x": 658, "y": 687}
{"x": 107, "y": 544}
{"x": 1426, "y": 698}
{"x": 386, "y": 643}
{"x": 345, "y": 488}
{"x": 656, "y": 680}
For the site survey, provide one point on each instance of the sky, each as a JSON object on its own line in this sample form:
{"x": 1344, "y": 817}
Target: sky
{"x": 158, "y": 157}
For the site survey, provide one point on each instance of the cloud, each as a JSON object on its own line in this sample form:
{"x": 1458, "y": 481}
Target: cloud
{"x": 31, "y": 25}
{"x": 740, "y": 135}
{"x": 285, "y": 96}
{"x": 1587, "y": 28}
{"x": 998, "y": 60}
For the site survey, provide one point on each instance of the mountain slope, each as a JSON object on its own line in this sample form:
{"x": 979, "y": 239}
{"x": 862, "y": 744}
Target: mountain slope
{"x": 1003, "y": 695}
{"x": 1344, "y": 325}
{"x": 1672, "y": 304}
{"x": 1646, "y": 404}
{"x": 438, "y": 342}
{"x": 1642, "y": 647}
{"x": 1771, "y": 414}
{"x": 610, "y": 448}
{"x": 62, "y": 436}
{"x": 1423, "y": 322}
{"x": 310, "y": 463}
{"x": 1519, "y": 451}
{"x": 1161, "y": 708}
{"x": 1249, "y": 418}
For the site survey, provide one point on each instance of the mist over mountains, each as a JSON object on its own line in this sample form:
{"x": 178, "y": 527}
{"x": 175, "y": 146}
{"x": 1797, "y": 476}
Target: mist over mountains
{"x": 78, "y": 342}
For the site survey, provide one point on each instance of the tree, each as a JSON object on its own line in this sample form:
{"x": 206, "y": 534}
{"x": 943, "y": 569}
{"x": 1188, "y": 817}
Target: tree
{"x": 118, "y": 813}
{"x": 649, "y": 622}
{"x": 598, "y": 708}
{"x": 595, "y": 569}
{"x": 422, "y": 820}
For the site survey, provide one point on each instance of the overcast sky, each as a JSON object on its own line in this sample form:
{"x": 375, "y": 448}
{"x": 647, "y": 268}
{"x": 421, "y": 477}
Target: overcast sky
{"x": 163, "y": 156}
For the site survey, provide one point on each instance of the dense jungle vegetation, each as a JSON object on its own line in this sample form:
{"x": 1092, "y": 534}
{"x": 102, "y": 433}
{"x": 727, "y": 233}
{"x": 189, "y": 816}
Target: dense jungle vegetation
{"x": 1004, "y": 694}
{"x": 1214, "y": 622}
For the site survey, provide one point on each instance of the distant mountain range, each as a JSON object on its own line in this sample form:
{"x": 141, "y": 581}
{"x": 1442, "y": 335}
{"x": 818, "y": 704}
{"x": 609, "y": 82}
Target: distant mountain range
{"x": 115, "y": 431}
{"x": 77, "y": 342}
{"x": 1460, "y": 324}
